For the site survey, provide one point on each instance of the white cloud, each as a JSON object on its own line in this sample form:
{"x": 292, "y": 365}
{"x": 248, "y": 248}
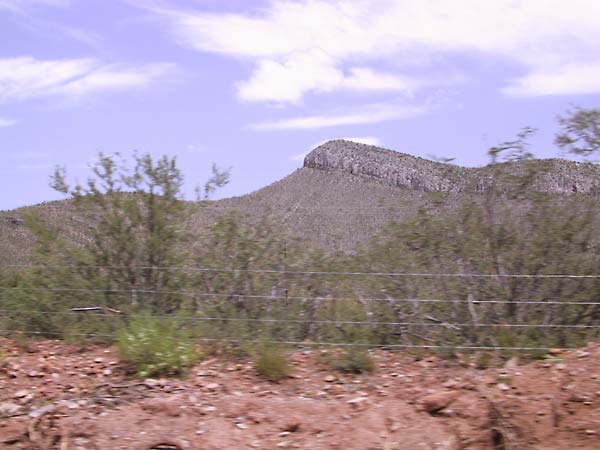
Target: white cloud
{"x": 4, "y": 122}
{"x": 314, "y": 71}
{"x": 364, "y": 78}
{"x": 370, "y": 140}
{"x": 290, "y": 80}
{"x": 366, "y": 115}
{"x": 300, "y": 156}
{"x": 313, "y": 46}
{"x": 568, "y": 79}
{"x": 26, "y": 78}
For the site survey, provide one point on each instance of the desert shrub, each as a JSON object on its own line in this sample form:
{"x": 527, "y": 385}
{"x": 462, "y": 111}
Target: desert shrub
{"x": 156, "y": 346}
{"x": 24, "y": 342}
{"x": 483, "y": 360}
{"x": 3, "y": 362}
{"x": 226, "y": 350}
{"x": 271, "y": 362}
{"x": 355, "y": 360}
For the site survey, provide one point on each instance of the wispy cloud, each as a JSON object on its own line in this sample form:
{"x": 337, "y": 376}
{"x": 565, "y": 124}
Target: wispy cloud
{"x": 27, "y": 78}
{"x": 319, "y": 46}
{"x": 369, "y": 140}
{"x": 299, "y": 156}
{"x": 196, "y": 148}
{"x": 4, "y": 122}
{"x": 28, "y": 156}
{"x": 35, "y": 167}
{"x": 365, "y": 115}
{"x": 19, "y": 6}
{"x": 30, "y": 15}
{"x": 31, "y": 161}
{"x": 577, "y": 78}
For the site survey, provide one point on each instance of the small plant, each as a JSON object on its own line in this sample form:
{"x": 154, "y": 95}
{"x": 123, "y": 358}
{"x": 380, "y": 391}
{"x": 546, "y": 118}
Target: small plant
{"x": 551, "y": 358}
{"x": 505, "y": 378}
{"x": 24, "y": 342}
{"x": 3, "y": 361}
{"x": 354, "y": 361}
{"x": 156, "y": 346}
{"x": 447, "y": 353}
{"x": 271, "y": 363}
{"x": 483, "y": 360}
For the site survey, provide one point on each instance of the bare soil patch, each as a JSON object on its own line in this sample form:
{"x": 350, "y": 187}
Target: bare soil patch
{"x": 67, "y": 397}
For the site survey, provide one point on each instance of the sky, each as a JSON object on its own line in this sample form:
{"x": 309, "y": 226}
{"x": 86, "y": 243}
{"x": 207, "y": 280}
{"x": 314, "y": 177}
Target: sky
{"x": 256, "y": 84}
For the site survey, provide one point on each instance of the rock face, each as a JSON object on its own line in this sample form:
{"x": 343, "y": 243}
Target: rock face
{"x": 393, "y": 167}
{"x": 552, "y": 176}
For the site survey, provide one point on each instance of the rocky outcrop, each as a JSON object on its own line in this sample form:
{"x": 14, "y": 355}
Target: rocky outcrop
{"x": 553, "y": 176}
{"x": 393, "y": 167}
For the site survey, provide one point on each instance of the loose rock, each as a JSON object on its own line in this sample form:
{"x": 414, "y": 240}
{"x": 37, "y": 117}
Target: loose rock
{"x": 439, "y": 400}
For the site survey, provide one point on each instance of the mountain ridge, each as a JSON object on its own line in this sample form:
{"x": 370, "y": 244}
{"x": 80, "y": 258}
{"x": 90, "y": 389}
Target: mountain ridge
{"x": 342, "y": 196}
{"x": 555, "y": 176}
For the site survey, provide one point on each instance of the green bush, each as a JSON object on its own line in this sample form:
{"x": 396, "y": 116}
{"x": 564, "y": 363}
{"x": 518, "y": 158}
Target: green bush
{"x": 156, "y": 346}
{"x": 355, "y": 360}
{"x": 271, "y": 363}
{"x": 483, "y": 360}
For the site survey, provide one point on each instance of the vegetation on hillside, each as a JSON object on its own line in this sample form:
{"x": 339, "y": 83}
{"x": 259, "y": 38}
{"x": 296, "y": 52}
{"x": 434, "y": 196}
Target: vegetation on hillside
{"x": 246, "y": 280}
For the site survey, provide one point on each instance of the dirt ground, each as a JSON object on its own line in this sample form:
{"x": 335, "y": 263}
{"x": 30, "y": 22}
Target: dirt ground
{"x": 58, "y": 396}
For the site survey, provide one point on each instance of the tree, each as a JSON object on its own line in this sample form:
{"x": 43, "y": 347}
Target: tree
{"x": 515, "y": 150}
{"x": 580, "y": 132}
{"x": 542, "y": 236}
{"x": 135, "y": 217}
{"x": 441, "y": 159}
{"x": 219, "y": 178}
{"x": 251, "y": 255}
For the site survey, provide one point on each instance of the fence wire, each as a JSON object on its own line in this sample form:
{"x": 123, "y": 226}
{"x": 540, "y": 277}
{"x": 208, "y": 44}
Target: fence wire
{"x": 312, "y": 344}
{"x": 300, "y": 272}
{"x": 29, "y": 293}
{"x": 6, "y": 312}
{"x": 299, "y": 298}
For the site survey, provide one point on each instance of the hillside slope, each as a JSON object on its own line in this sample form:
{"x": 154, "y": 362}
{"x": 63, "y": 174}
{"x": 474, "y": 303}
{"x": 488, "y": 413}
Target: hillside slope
{"x": 344, "y": 193}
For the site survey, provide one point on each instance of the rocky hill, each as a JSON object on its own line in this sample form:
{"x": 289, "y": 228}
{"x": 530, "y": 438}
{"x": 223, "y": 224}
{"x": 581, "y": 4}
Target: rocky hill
{"x": 553, "y": 176}
{"x": 344, "y": 193}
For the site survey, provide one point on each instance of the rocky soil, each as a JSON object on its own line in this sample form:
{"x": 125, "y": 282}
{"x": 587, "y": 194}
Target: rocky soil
{"x": 58, "y": 396}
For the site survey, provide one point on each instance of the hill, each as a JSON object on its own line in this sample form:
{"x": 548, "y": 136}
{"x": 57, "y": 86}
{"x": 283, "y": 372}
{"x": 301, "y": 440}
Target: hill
{"x": 344, "y": 193}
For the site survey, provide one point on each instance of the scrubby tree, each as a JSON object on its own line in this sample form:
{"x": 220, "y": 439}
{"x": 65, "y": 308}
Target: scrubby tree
{"x": 135, "y": 215}
{"x": 133, "y": 219}
{"x": 441, "y": 159}
{"x": 515, "y": 150}
{"x": 219, "y": 178}
{"x": 541, "y": 236}
{"x": 580, "y": 132}
{"x": 251, "y": 280}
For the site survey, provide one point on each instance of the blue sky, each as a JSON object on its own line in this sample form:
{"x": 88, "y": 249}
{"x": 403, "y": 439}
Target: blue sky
{"x": 256, "y": 84}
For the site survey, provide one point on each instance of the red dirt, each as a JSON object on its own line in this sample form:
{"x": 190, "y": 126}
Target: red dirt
{"x": 58, "y": 396}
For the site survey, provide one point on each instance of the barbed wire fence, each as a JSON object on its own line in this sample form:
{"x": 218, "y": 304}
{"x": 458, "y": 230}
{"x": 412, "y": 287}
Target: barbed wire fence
{"x": 286, "y": 318}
